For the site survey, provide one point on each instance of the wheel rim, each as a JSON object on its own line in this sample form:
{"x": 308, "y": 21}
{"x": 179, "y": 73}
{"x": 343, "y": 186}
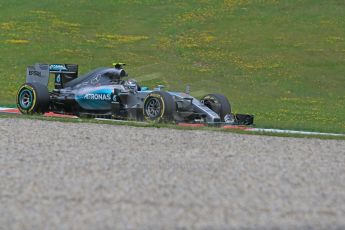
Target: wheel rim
{"x": 213, "y": 104}
{"x": 25, "y": 99}
{"x": 153, "y": 108}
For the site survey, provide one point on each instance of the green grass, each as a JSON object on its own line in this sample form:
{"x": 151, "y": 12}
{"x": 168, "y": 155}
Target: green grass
{"x": 283, "y": 61}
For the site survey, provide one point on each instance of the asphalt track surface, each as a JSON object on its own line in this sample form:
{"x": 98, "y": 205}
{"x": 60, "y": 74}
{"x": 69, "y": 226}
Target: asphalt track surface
{"x": 57, "y": 175}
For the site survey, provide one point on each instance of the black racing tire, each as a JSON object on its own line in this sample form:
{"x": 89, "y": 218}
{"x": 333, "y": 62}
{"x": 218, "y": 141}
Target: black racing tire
{"x": 159, "y": 106}
{"x": 218, "y": 103}
{"x": 33, "y": 98}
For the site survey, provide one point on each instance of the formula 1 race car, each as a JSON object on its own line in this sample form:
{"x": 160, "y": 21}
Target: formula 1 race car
{"x": 104, "y": 92}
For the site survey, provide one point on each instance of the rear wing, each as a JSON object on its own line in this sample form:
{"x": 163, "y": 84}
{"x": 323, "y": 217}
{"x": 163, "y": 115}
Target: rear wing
{"x": 40, "y": 73}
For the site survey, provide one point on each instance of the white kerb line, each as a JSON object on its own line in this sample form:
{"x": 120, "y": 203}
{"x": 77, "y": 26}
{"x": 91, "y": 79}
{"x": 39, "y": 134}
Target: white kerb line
{"x": 294, "y": 132}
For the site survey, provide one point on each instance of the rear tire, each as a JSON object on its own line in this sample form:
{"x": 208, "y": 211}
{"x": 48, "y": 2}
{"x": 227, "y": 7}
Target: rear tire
{"x": 33, "y": 98}
{"x": 159, "y": 106}
{"x": 218, "y": 103}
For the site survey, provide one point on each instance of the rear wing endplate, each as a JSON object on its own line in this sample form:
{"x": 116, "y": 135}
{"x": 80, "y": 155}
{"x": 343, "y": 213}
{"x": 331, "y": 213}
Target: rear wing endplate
{"x": 38, "y": 73}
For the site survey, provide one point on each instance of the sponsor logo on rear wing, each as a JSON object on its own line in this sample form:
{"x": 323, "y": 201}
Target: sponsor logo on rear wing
{"x": 63, "y": 68}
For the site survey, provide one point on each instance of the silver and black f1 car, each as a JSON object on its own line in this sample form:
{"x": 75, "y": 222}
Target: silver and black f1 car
{"x": 104, "y": 92}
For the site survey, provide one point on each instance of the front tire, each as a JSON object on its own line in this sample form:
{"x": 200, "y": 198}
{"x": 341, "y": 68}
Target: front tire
{"x": 218, "y": 103}
{"x": 159, "y": 106}
{"x": 33, "y": 98}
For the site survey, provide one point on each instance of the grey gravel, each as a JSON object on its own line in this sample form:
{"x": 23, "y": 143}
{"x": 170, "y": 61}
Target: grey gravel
{"x": 57, "y": 175}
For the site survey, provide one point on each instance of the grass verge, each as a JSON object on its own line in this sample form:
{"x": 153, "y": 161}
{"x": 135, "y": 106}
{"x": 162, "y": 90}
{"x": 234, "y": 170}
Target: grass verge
{"x": 283, "y": 61}
{"x": 164, "y": 125}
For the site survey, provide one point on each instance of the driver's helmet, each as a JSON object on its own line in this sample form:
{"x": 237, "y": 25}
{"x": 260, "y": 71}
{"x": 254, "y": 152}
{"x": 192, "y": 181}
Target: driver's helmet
{"x": 131, "y": 84}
